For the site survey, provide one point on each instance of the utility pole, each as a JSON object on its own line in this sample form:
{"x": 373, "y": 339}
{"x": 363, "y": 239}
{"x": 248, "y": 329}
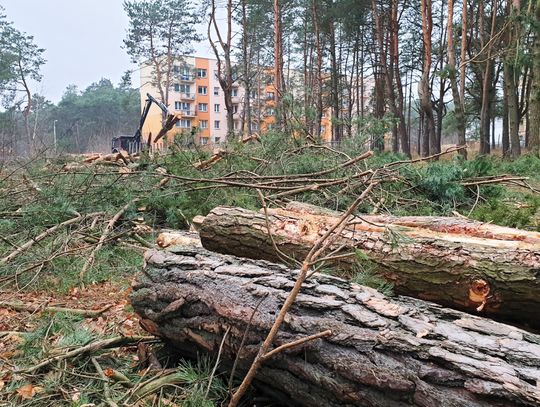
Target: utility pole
{"x": 54, "y": 135}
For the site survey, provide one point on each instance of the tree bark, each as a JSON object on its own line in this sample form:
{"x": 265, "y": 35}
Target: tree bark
{"x": 455, "y": 262}
{"x": 534, "y": 96}
{"x": 424, "y": 90}
{"x": 512, "y": 79}
{"x": 452, "y": 75}
{"x": 381, "y": 351}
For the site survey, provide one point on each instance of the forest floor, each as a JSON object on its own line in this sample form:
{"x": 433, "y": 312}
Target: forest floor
{"x": 72, "y": 235}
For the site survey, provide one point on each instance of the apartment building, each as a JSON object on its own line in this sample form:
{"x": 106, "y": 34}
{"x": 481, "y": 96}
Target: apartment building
{"x": 198, "y": 99}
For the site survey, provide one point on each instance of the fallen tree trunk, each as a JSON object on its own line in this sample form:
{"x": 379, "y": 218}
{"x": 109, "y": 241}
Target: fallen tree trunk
{"x": 382, "y": 352}
{"x": 455, "y": 262}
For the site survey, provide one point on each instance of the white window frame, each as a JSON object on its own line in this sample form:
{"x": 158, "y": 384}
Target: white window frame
{"x": 205, "y": 92}
{"x": 201, "y": 73}
{"x": 203, "y": 124}
{"x": 203, "y": 107}
{"x": 216, "y": 124}
{"x": 216, "y": 107}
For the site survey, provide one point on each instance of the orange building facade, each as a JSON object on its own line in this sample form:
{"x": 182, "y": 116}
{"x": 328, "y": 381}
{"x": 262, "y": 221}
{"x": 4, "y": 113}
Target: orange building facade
{"x": 197, "y": 98}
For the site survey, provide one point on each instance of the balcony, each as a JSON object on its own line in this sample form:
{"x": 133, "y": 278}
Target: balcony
{"x": 186, "y": 77}
{"x": 236, "y": 99}
{"x": 187, "y": 96}
{"x": 187, "y": 113}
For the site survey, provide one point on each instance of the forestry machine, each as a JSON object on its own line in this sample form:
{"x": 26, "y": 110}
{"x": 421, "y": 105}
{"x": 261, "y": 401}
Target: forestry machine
{"x": 123, "y": 142}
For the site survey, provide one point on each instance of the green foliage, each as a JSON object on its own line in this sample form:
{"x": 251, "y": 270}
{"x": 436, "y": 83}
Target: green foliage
{"x": 88, "y": 120}
{"x": 197, "y": 380}
{"x": 439, "y": 181}
{"x": 68, "y": 329}
{"x": 20, "y": 60}
{"x": 364, "y": 273}
{"x": 523, "y": 213}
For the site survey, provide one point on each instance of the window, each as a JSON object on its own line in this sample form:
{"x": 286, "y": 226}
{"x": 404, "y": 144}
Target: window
{"x": 216, "y": 91}
{"x": 254, "y": 126}
{"x": 204, "y": 141}
{"x": 217, "y": 139}
{"x": 235, "y": 109}
{"x": 253, "y": 94}
{"x": 269, "y": 95}
{"x": 216, "y": 108}
{"x": 204, "y": 124}
{"x": 203, "y": 90}
{"x": 184, "y": 124}
{"x": 323, "y": 129}
{"x": 182, "y": 106}
{"x": 234, "y": 92}
{"x": 236, "y": 125}
{"x": 184, "y": 72}
{"x": 201, "y": 73}
{"x": 177, "y": 87}
{"x": 270, "y": 112}
{"x": 182, "y": 88}
{"x": 216, "y": 124}
{"x": 203, "y": 107}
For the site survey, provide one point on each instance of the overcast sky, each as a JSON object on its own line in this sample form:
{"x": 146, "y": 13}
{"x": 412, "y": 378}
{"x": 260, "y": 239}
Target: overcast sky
{"x": 82, "y": 38}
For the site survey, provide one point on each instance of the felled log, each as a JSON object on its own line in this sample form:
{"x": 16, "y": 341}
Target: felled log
{"x": 382, "y": 351}
{"x": 178, "y": 238}
{"x": 455, "y": 262}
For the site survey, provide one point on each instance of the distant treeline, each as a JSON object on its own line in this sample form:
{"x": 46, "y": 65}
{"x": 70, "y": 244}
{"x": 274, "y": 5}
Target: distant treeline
{"x": 83, "y": 121}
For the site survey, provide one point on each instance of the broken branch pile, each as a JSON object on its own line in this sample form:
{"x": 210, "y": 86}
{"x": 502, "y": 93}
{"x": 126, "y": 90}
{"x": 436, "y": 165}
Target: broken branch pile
{"x": 381, "y": 351}
{"x": 456, "y": 262}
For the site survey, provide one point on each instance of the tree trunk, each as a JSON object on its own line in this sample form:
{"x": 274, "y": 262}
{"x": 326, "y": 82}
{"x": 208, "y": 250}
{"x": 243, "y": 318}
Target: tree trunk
{"x": 278, "y": 64}
{"x": 505, "y": 137}
{"x": 381, "y": 351}
{"x": 319, "y": 78}
{"x": 424, "y": 90}
{"x": 334, "y": 84}
{"x": 485, "y": 111}
{"x": 452, "y": 73}
{"x": 534, "y": 96}
{"x": 464, "y": 264}
{"x": 511, "y": 78}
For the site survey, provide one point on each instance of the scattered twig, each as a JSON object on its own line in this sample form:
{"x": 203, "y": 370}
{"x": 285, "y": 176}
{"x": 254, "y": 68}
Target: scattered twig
{"x": 91, "y": 347}
{"x": 106, "y": 387}
{"x": 243, "y": 341}
{"x": 42, "y": 236}
{"x": 36, "y": 308}
{"x": 296, "y": 343}
{"x": 217, "y": 362}
{"x": 90, "y": 260}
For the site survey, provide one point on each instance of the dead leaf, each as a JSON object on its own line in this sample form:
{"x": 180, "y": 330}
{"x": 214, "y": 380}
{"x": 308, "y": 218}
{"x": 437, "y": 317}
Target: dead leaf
{"x": 26, "y": 392}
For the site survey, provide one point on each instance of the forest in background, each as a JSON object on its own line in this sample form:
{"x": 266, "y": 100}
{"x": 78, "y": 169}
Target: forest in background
{"x": 435, "y": 71}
